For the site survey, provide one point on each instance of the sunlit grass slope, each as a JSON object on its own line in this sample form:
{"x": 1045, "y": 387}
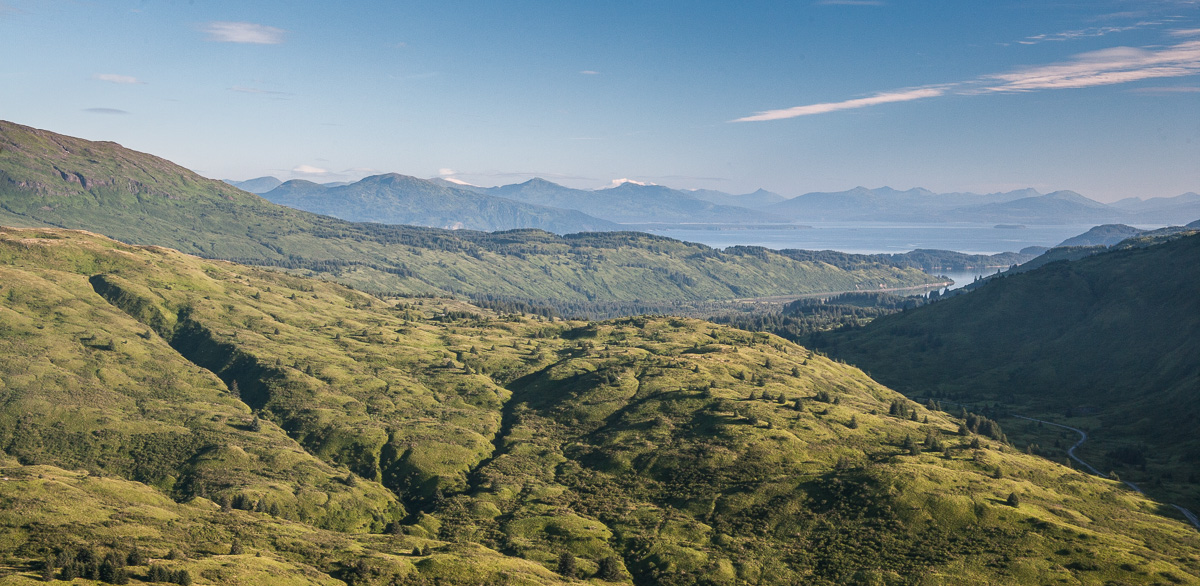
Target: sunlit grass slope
{"x": 163, "y": 401}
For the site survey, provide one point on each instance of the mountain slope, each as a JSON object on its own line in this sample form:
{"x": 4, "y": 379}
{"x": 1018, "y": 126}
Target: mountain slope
{"x": 48, "y": 179}
{"x": 760, "y": 198}
{"x": 1109, "y": 341}
{"x": 258, "y": 185}
{"x": 399, "y": 199}
{"x": 644, "y": 450}
{"x": 1103, "y": 235}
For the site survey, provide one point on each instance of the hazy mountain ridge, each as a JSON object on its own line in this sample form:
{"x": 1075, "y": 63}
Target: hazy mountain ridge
{"x": 399, "y": 199}
{"x": 1024, "y": 206}
{"x": 629, "y": 203}
{"x": 258, "y": 185}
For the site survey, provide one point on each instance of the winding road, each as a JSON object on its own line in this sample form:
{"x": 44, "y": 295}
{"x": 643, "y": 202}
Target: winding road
{"x": 1190, "y": 516}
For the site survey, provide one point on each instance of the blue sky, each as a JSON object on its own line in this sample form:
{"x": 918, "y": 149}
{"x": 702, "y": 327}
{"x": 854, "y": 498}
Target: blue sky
{"x": 1102, "y": 97}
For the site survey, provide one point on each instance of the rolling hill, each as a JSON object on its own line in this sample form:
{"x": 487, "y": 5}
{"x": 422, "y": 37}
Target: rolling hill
{"x": 1106, "y": 343}
{"x": 47, "y": 179}
{"x": 167, "y": 413}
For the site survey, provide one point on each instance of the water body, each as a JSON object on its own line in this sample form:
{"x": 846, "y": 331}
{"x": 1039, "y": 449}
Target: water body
{"x": 875, "y": 237}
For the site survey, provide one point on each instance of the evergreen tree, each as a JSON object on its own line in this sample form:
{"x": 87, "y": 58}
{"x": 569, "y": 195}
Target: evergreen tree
{"x": 236, "y": 548}
{"x": 567, "y": 565}
{"x": 1013, "y": 500}
{"x": 610, "y": 569}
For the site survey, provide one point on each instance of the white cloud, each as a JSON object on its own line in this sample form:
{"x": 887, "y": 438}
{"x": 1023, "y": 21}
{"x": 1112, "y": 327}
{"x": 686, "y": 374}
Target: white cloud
{"x": 243, "y": 32}
{"x": 1111, "y": 66}
{"x": 589, "y": 72}
{"x": 309, "y": 170}
{"x": 114, "y": 78}
{"x": 104, "y": 111}
{"x": 617, "y": 182}
{"x": 1185, "y": 32}
{"x": 1105, "y": 67}
{"x": 880, "y": 98}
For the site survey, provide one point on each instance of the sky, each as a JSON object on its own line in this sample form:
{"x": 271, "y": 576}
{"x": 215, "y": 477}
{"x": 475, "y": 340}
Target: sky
{"x": 1100, "y": 97}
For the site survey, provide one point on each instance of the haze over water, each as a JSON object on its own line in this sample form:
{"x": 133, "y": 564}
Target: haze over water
{"x": 880, "y": 237}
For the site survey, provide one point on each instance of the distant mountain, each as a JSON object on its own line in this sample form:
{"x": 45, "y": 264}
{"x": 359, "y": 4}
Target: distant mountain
{"x": 883, "y": 204}
{"x": 1059, "y": 207}
{"x": 1023, "y": 206}
{"x": 757, "y": 200}
{"x": 1161, "y": 210}
{"x": 456, "y": 185}
{"x": 629, "y": 203}
{"x": 400, "y": 199}
{"x": 258, "y": 185}
{"x": 1106, "y": 235}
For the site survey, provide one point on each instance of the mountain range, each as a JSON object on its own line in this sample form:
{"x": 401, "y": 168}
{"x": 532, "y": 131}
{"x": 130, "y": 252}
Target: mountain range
{"x": 432, "y": 202}
{"x": 48, "y": 179}
{"x": 399, "y": 199}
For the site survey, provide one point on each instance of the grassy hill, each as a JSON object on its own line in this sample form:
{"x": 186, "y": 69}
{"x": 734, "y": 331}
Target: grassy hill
{"x": 159, "y": 401}
{"x": 48, "y": 179}
{"x": 1106, "y": 343}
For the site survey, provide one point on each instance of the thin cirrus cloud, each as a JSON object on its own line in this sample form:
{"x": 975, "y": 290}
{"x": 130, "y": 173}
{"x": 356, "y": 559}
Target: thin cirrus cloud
{"x": 243, "y": 32}
{"x": 115, "y": 78}
{"x": 880, "y": 98}
{"x": 1113, "y": 66}
{"x": 104, "y": 111}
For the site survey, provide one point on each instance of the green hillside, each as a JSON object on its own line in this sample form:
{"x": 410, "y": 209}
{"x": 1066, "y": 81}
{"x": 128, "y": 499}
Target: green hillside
{"x": 159, "y": 401}
{"x": 48, "y": 179}
{"x": 1107, "y": 343}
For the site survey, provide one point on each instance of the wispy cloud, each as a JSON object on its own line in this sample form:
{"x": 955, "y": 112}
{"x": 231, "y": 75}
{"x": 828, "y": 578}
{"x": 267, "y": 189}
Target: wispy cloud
{"x": 309, "y": 170}
{"x": 243, "y": 32}
{"x": 589, "y": 72}
{"x": 1104, "y": 67}
{"x": 622, "y": 181}
{"x": 1112, "y": 66}
{"x": 114, "y": 78}
{"x": 1185, "y": 32}
{"x": 104, "y": 111}
{"x": 880, "y": 98}
{"x": 1085, "y": 33}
